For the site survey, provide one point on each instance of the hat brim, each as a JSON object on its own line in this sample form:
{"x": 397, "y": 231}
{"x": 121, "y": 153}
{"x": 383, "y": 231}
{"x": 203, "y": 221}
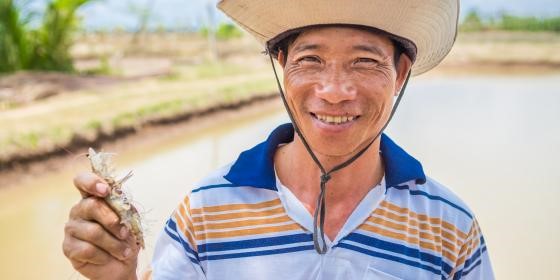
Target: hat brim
{"x": 431, "y": 25}
{"x": 407, "y": 46}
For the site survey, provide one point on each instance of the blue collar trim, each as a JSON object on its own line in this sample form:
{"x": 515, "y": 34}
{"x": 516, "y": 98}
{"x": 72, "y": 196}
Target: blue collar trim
{"x": 255, "y": 167}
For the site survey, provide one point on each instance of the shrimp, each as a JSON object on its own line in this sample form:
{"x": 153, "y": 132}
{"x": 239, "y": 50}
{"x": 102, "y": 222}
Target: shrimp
{"x": 102, "y": 166}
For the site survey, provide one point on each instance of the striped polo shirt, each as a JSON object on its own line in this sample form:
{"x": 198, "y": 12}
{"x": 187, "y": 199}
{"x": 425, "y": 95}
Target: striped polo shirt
{"x": 242, "y": 223}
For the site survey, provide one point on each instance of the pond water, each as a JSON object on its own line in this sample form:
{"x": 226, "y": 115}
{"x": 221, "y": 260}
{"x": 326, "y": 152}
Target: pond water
{"x": 494, "y": 140}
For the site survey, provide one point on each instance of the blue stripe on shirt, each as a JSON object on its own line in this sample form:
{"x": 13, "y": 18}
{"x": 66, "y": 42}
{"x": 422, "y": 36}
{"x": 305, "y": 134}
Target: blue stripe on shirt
{"x": 389, "y": 257}
{"x": 213, "y": 187}
{"x": 257, "y": 253}
{"x": 400, "y": 249}
{"x": 433, "y": 197}
{"x": 172, "y": 226}
{"x": 474, "y": 257}
{"x": 472, "y": 268}
{"x": 466, "y": 269}
{"x": 254, "y": 243}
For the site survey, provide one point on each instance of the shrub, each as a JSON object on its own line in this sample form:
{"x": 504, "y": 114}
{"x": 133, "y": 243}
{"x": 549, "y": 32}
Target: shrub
{"x": 46, "y": 47}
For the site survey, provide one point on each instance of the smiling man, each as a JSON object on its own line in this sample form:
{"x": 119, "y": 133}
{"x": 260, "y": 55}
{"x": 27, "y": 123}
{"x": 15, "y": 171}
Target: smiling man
{"x": 328, "y": 196}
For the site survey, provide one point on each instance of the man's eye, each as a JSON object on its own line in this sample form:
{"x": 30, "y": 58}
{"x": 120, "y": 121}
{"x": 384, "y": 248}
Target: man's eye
{"x": 312, "y": 59}
{"x": 365, "y": 60}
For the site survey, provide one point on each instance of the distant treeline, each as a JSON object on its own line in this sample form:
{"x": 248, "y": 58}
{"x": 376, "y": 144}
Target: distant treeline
{"x": 223, "y": 31}
{"x": 474, "y": 22}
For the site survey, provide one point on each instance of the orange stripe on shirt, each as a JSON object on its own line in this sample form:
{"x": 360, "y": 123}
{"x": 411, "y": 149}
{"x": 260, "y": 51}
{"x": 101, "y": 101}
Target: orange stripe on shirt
{"x": 187, "y": 202}
{"x": 243, "y": 223}
{"x": 434, "y": 232}
{"x": 425, "y": 218}
{"x": 237, "y": 215}
{"x": 411, "y": 240}
{"x": 230, "y": 207}
{"x": 185, "y": 232}
{"x": 186, "y": 216}
{"x": 470, "y": 245}
{"x": 183, "y": 217}
{"x": 435, "y": 239}
{"x": 245, "y": 232}
{"x": 463, "y": 253}
{"x": 401, "y": 236}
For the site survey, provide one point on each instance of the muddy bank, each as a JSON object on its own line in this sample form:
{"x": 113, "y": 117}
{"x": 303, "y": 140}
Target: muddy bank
{"x": 151, "y": 130}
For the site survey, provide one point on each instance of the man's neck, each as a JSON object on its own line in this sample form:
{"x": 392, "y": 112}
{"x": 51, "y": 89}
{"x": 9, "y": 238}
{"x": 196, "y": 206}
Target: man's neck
{"x": 347, "y": 186}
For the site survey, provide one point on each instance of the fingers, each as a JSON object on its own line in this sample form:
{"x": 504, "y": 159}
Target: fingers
{"x": 90, "y": 184}
{"x": 90, "y": 242}
{"x": 95, "y": 263}
{"x": 80, "y": 253}
{"x": 97, "y": 245}
{"x": 96, "y": 210}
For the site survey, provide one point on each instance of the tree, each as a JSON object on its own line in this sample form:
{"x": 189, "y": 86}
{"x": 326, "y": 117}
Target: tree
{"x": 46, "y": 47}
{"x": 472, "y": 22}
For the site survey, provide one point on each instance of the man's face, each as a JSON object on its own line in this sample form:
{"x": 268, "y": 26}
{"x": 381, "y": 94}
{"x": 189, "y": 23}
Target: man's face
{"x": 340, "y": 84}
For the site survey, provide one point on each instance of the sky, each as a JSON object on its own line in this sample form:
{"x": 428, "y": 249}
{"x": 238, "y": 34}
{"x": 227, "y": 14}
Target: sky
{"x": 189, "y": 14}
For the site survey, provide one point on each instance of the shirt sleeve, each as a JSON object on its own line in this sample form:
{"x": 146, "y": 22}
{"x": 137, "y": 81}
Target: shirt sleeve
{"x": 175, "y": 254}
{"x": 473, "y": 262}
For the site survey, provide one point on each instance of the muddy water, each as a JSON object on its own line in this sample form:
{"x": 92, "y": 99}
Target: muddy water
{"x": 494, "y": 140}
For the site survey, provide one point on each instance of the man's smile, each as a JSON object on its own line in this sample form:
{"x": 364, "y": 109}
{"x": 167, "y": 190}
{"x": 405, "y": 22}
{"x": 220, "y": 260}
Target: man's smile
{"x": 334, "y": 119}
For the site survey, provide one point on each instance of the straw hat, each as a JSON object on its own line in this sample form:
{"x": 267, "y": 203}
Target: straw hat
{"x": 431, "y": 25}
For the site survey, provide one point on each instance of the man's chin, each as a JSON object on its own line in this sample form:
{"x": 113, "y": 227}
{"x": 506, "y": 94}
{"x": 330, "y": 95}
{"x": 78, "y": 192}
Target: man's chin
{"x": 334, "y": 149}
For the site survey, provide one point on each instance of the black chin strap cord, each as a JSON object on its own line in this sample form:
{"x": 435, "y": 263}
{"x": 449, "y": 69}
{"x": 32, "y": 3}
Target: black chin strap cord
{"x": 319, "y": 240}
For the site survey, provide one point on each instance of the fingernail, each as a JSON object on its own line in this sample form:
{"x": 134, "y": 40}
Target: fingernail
{"x": 124, "y": 232}
{"x": 127, "y": 252}
{"x": 101, "y": 188}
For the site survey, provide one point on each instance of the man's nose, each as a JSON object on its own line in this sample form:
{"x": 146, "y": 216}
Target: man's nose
{"x": 336, "y": 87}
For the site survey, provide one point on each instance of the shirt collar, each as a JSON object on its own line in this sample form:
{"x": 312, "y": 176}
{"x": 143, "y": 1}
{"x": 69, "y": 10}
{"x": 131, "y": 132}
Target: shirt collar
{"x": 255, "y": 167}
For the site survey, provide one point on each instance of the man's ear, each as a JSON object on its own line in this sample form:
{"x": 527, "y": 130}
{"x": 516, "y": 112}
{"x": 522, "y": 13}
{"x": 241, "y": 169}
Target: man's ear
{"x": 403, "y": 67}
{"x": 281, "y": 58}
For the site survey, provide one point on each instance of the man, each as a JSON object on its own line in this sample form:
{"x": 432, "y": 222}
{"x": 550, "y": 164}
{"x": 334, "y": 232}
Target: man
{"x": 328, "y": 196}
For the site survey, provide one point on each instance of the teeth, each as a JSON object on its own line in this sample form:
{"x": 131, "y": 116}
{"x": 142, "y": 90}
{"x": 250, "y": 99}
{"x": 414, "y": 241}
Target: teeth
{"x": 335, "y": 119}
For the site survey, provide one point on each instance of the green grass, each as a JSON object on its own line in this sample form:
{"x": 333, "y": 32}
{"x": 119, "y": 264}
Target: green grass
{"x": 27, "y": 140}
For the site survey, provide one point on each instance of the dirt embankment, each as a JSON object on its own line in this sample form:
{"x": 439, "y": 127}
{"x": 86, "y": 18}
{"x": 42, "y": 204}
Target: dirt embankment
{"x": 503, "y": 52}
{"x": 152, "y": 133}
{"x": 78, "y": 142}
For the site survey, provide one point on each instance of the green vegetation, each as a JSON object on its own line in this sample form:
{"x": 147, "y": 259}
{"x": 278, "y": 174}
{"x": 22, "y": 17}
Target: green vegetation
{"x": 224, "y": 31}
{"x": 46, "y": 47}
{"x": 14, "y": 45}
{"x": 474, "y": 22}
{"x": 513, "y": 23}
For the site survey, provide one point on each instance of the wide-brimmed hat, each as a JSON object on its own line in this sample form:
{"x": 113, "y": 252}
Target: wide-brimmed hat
{"x": 431, "y": 25}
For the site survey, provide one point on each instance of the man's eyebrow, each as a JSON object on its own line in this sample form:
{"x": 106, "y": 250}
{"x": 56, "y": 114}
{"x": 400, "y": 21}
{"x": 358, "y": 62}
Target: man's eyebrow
{"x": 306, "y": 47}
{"x": 370, "y": 48}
